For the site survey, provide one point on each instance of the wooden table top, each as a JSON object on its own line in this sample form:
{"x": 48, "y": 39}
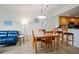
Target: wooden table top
{"x": 52, "y": 31}
{"x": 47, "y": 36}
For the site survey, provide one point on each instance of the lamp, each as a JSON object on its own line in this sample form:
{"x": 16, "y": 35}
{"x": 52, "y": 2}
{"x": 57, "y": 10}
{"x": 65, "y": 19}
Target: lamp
{"x": 25, "y": 21}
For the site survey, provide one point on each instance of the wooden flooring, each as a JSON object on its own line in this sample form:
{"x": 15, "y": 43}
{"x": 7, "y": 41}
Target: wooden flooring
{"x": 27, "y": 49}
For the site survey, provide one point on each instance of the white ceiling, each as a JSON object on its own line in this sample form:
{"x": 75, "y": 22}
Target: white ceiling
{"x": 72, "y": 12}
{"x": 27, "y": 10}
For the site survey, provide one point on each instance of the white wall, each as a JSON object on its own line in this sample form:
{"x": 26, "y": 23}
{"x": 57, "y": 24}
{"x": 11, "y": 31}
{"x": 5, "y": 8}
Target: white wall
{"x": 53, "y": 22}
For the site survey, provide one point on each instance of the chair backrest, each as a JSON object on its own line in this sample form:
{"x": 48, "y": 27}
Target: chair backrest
{"x": 54, "y": 30}
{"x": 64, "y": 29}
{"x": 48, "y": 37}
{"x": 33, "y": 36}
{"x": 49, "y": 34}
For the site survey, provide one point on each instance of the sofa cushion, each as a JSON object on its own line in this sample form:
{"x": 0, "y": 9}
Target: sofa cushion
{"x": 3, "y": 34}
{"x": 8, "y": 38}
{"x": 13, "y": 33}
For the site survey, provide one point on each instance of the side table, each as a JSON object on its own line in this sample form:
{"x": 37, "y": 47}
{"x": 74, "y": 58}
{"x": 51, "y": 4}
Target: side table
{"x": 21, "y": 39}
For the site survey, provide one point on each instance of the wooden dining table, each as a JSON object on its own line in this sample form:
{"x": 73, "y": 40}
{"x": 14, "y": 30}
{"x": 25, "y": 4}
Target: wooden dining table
{"x": 43, "y": 37}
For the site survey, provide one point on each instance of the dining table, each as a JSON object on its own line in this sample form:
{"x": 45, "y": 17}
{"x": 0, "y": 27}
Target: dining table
{"x": 56, "y": 36}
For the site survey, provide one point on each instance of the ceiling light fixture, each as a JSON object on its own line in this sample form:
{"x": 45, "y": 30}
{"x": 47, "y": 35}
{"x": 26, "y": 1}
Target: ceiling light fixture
{"x": 42, "y": 16}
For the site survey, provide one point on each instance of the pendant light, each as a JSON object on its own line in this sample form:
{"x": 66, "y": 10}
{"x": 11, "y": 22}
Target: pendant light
{"x": 42, "y": 16}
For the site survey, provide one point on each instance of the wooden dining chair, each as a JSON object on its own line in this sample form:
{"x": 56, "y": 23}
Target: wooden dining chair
{"x": 48, "y": 39}
{"x": 37, "y": 40}
{"x": 65, "y": 31}
{"x": 67, "y": 34}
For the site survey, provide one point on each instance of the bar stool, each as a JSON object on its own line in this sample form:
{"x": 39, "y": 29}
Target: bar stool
{"x": 65, "y": 32}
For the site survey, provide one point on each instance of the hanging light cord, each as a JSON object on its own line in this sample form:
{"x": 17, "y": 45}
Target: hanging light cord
{"x": 42, "y": 9}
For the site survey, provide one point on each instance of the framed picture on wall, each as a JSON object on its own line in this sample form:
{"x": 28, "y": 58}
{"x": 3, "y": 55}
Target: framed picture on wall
{"x": 7, "y": 23}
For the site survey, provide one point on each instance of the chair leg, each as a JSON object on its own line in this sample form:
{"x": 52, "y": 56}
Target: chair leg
{"x": 50, "y": 44}
{"x": 57, "y": 43}
{"x": 62, "y": 38}
{"x": 45, "y": 43}
{"x": 67, "y": 41}
{"x": 33, "y": 43}
{"x": 72, "y": 40}
{"x": 54, "y": 42}
{"x": 41, "y": 44}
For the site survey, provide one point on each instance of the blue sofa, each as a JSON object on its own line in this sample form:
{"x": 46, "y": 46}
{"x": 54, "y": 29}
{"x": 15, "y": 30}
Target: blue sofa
{"x": 8, "y": 37}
